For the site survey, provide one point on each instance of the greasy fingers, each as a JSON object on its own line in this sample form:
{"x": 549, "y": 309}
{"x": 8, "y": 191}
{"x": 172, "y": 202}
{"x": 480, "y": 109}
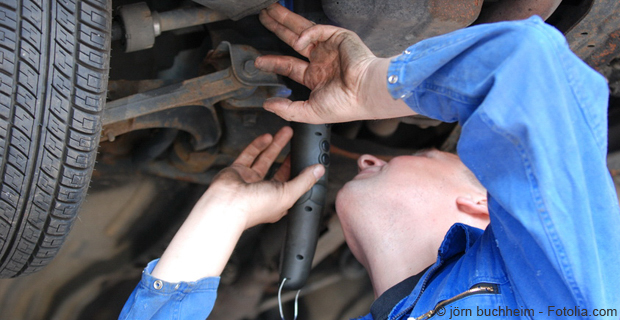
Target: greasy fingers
{"x": 285, "y": 17}
{"x": 253, "y": 150}
{"x": 268, "y": 156}
{"x": 283, "y": 65}
{"x": 281, "y": 31}
{"x": 287, "y": 25}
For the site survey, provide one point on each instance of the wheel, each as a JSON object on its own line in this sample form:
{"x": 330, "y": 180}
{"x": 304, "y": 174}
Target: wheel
{"x": 54, "y": 61}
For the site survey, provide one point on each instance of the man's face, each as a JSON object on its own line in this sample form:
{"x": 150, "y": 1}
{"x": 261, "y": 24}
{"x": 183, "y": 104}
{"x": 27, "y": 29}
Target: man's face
{"x": 412, "y": 196}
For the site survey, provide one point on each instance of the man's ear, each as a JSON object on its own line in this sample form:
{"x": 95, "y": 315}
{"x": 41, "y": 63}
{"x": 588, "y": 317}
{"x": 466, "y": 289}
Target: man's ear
{"x": 475, "y": 208}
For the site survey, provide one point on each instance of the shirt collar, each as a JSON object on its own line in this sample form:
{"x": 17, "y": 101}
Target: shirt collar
{"x": 459, "y": 239}
{"x": 381, "y": 308}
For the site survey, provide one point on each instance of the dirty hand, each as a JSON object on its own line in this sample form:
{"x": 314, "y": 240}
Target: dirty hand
{"x": 242, "y": 188}
{"x": 347, "y": 81}
{"x": 237, "y": 199}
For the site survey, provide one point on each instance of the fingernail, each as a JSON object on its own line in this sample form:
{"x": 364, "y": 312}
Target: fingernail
{"x": 318, "y": 172}
{"x": 267, "y": 105}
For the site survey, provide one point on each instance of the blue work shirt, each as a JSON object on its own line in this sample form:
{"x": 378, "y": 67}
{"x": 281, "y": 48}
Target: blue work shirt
{"x": 157, "y": 299}
{"x": 534, "y": 132}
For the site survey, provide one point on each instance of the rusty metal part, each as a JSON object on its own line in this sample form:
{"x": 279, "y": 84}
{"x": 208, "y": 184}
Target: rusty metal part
{"x": 186, "y": 159}
{"x": 205, "y": 90}
{"x": 389, "y": 27}
{"x": 596, "y": 38}
{"x": 507, "y": 10}
{"x": 123, "y": 88}
{"x": 140, "y": 26}
{"x": 156, "y": 107}
{"x": 185, "y": 17}
{"x": 236, "y": 9}
{"x": 242, "y": 64}
{"x": 200, "y": 121}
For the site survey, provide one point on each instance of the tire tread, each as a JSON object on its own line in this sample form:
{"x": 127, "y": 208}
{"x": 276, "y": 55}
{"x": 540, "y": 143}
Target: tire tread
{"x": 49, "y": 122}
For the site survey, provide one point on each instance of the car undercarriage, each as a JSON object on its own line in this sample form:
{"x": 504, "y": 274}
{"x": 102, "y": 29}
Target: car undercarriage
{"x": 183, "y": 98}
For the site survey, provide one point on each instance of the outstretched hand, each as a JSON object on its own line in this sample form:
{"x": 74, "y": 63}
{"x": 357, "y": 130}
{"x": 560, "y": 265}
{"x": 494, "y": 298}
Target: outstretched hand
{"x": 346, "y": 79}
{"x": 241, "y": 186}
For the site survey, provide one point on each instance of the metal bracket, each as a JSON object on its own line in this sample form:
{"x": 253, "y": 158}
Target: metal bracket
{"x": 242, "y": 63}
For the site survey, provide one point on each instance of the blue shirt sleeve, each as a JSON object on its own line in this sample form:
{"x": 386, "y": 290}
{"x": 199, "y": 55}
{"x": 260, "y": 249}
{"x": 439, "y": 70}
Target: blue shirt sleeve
{"x": 156, "y": 299}
{"x": 534, "y": 132}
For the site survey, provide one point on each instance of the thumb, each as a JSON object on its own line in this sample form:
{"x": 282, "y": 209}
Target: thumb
{"x": 295, "y": 188}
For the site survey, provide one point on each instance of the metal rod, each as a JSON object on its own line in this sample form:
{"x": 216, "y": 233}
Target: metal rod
{"x": 188, "y": 17}
{"x": 213, "y": 87}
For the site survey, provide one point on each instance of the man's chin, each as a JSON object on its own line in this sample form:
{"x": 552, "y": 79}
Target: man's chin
{"x": 346, "y": 198}
{"x": 340, "y": 199}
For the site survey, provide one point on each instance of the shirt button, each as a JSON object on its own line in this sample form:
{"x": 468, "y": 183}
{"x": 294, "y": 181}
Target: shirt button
{"x": 403, "y": 96}
{"x": 393, "y": 79}
{"x": 158, "y": 284}
{"x": 177, "y": 287}
{"x": 407, "y": 52}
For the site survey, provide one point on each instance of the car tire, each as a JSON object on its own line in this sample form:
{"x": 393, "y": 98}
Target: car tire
{"x": 54, "y": 61}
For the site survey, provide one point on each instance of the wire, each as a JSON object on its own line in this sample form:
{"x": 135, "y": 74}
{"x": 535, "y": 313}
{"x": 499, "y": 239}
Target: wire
{"x": 280, "y": 301}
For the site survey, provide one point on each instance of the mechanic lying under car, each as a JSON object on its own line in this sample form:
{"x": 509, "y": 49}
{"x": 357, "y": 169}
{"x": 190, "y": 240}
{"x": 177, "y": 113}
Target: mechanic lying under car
{"x": 524, "y": 223}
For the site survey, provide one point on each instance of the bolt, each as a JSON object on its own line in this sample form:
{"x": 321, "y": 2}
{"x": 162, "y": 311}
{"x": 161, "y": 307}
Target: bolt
{"x": 249, "y": 67}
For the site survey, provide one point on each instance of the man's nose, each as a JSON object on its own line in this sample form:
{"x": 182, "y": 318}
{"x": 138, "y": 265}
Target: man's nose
{"x": 367, "y": 161}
